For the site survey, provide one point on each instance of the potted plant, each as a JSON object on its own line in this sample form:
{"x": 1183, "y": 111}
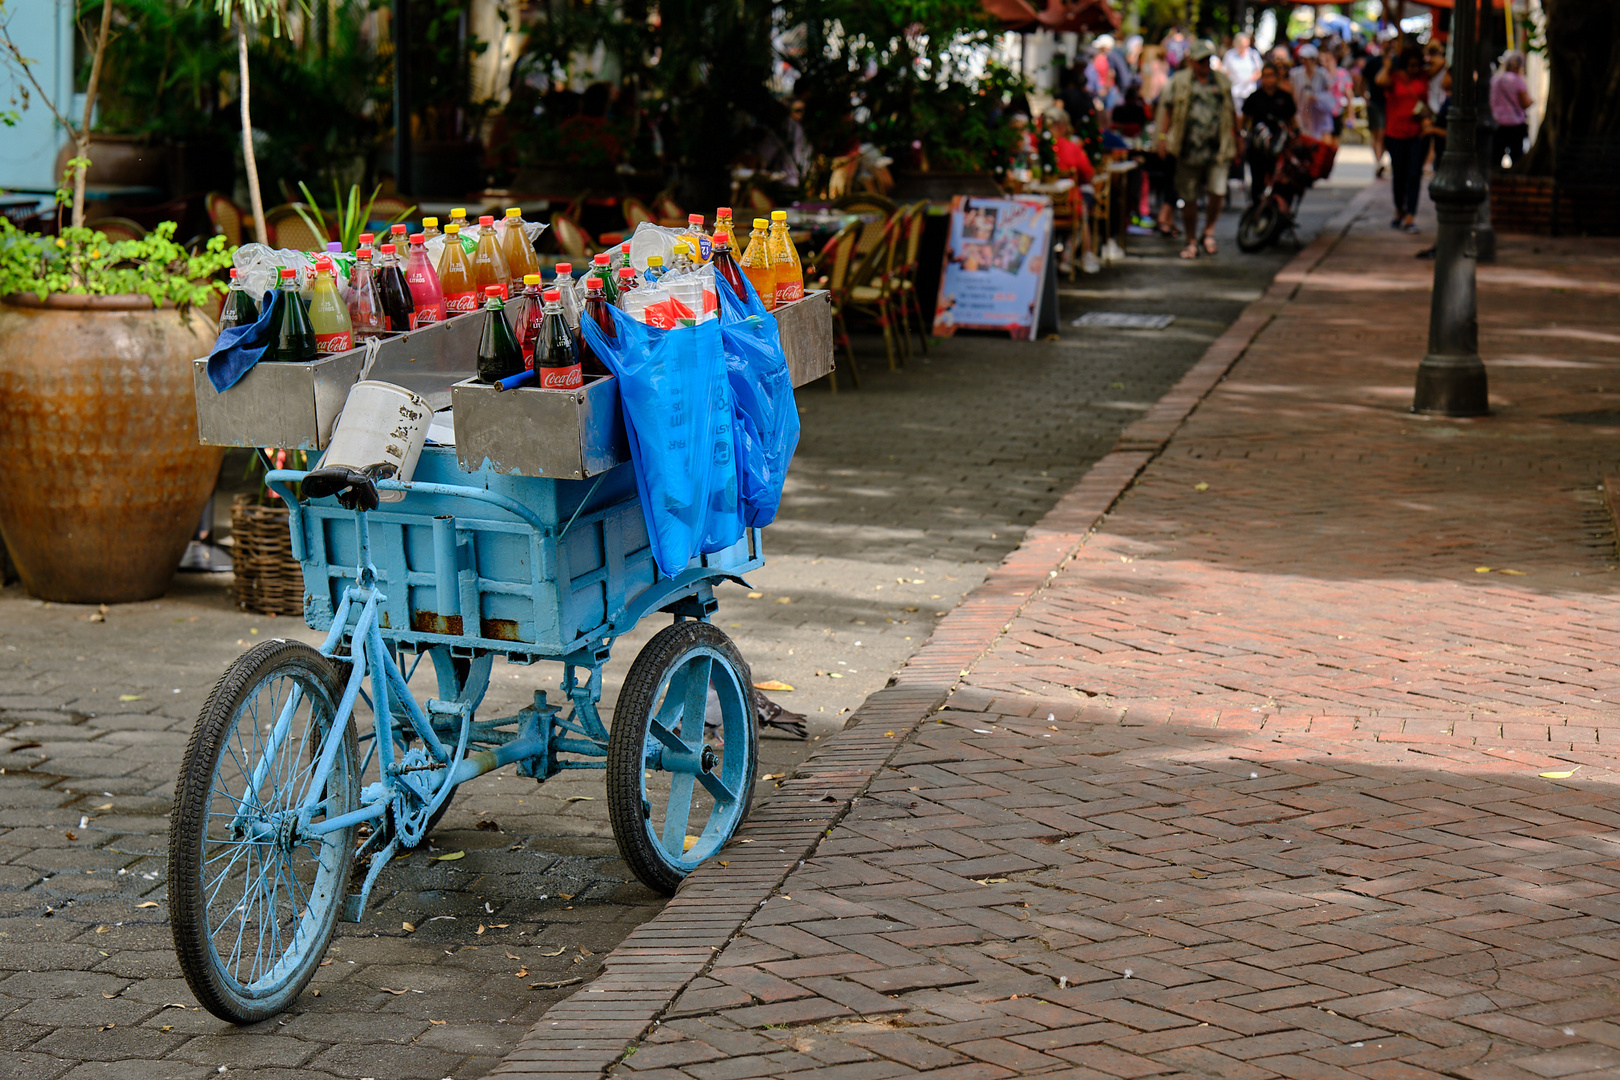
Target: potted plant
{"x": 97, "y": 415}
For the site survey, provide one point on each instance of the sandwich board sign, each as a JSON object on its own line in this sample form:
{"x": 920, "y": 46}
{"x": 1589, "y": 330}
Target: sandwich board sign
{"x": 996, "y": 266}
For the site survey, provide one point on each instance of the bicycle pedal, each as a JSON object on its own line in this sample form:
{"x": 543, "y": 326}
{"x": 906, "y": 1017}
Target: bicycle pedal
{"x": 354, "y": 905}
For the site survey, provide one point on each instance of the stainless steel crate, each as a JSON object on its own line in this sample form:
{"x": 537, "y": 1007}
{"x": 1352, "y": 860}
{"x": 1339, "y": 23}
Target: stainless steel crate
{"x": 563, "y": 434}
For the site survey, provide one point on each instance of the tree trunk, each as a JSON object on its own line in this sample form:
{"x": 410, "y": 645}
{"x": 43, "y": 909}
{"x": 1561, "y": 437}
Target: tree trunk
{"x": 81, "y": 138}
{"x": 1583, "y": 92}
{"x": 255, "y": 200}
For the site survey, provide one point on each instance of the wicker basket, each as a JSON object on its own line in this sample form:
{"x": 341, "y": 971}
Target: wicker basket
{"x": 269, "y": 580}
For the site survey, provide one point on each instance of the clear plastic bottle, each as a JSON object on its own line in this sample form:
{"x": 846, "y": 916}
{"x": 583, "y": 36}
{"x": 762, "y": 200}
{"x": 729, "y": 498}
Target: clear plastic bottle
{"x": 699, "y": 240}
{"x": 328, "y": 315}
{"x": 426, "y": 293}
{"x": 785, "y": 266}
{"x": 655, "y": 268}
{"x": 239, "y": 308}
{"x": 397, "y": 235}
{"x": 395, "y": 295}
{"x": 564, "y": 284}
{"x": 756, "y": 263}
{"x": 628, "y": 283}
{"x": 488, "y": 264}
{"x": 367, "y": 242}
{"x": 455, "y": 275}
{"x": 525, "y": 315}
{"x": 516, "y": 248}
{"x": 293, "y": 336}
{"x": 556, "y": 361}
{"x": 366, "y": 317}
{"x": 684, "y": 263}
{"x": 430, "y": 227}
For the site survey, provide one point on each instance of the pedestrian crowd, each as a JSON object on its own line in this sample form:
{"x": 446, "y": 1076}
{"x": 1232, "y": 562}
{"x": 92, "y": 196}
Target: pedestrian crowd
{"x": 1196, "y": 115}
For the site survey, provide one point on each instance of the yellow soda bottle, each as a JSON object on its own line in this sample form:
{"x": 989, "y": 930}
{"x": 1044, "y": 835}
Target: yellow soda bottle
{"x": 515, "y": 247}
{"x": 756, "y": 263}
{"x": 788, "y": 273}
{"x": 722, "y": 224}
{"x": 430, "y": 228}
{"x": 488, "y": 264}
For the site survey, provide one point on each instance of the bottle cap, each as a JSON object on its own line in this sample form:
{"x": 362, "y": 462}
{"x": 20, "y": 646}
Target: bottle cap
{"x": 492, "y": 291}
{"x": 531, "y": 279}
{"x": 778, "y": 215}
{"x": 761, "y": 223}
{"x": 626, "y": 273}
{"x": 721, "y": 211}
{"x": 288, "y": 273}
{"x": 366, "y": 238}
{"x": 565, "y": 268}
{"x": 398, "y": 228}
{"x": 452, "y": 228}
{"x": 430, "y": 223}
{"x": 418, "y": 238}
{"x": 460, "y": 211}
{"x": 487, "y": 220}
{"x": 323, "y": 265}
{"x": 364, "y": 253}
{"x": 333, "y": 247}
{"x": 389, "y": 249}
{"x": 234, "y": 273}
{"x": 593, "y": 284}
{"x": 655, "y": 260}
{"x": 694, "y": 219}
{"x": 553, "y": 296}
{"x": 514, "y": 211}
{"x": 601, "y": 260}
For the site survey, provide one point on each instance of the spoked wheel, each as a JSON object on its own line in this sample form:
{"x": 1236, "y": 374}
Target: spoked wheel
{"x": 675, "y": 795}
{"x": 1260, "y": 225}
{"x": 253, "y": 898}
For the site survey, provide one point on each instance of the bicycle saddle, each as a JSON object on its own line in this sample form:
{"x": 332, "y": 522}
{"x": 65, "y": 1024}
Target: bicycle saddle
{"x": 356, "y": 489}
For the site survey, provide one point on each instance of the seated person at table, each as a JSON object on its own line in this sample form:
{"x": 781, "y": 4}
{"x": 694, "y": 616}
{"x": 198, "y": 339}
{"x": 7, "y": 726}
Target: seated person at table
{"x": 1275, "y": 107}
{"x": 1130, "y": 116}
{"x": 1073, "y": 163}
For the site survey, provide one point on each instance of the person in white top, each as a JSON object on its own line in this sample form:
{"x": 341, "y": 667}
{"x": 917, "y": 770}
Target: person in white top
{"x": 1242, "y": 63}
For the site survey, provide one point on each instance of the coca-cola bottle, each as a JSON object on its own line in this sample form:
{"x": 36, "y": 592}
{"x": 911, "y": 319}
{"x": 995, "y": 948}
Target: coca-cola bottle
{"x": 725, "y": 267}
{"x": 527, "y": 313}
{"x": 498, "y": 352}
{"x": 366, "y": 314}
{"x": 555, "y": 361}
{"x": 596, "y": 311}
{"x": 393, "y": 291}
{"x": 239, "y": 308}
{"x": 291, "y": 332}
{"x": 426, "y": 294}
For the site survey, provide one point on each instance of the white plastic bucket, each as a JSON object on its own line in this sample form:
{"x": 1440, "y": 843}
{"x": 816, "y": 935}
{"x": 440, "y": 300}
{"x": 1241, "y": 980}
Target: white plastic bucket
{"x": 381, "y": 425}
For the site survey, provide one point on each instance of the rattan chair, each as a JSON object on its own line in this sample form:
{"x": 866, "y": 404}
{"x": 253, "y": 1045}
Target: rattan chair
{"x": 571, "y": 239}
{"x": 839, "y": 258}
{"x": 230, "y": 220}
{"x": 287, "y": 229}
{"x": 905, "y": 274}
{"x": 117, "y": 228}
{"x": 390, "y": 207}
{"x": 872, "y": 287}
{"x": 668, "y": 211}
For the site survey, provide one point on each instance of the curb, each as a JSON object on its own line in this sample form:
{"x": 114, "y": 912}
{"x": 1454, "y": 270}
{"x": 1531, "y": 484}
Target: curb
{"x": 583, "y": 1036}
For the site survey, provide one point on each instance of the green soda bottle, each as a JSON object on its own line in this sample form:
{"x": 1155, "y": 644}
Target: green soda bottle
{"x": 292, "y": 331}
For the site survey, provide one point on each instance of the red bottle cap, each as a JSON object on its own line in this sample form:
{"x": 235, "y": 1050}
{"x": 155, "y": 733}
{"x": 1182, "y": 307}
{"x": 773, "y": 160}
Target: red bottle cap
{"x": 601, "y": 260}
{"x": 288, "y": 272}
{"x": 492, "y": 290}
{"x": 694, "y": 219}
{"x": 365, "y": 238}
{"x": 397, "y": 229}
{"x": 418, "y": 238}
{"x": 389, "y": 249}
{"x": 322, "y": 265}
{"x": 565, "y": 268}
{"x": 626, "y": 273}
{"x": 722, "y": 211}
{"x": 233, "y": 272}
{"x": 593, "y": 284}
{"x": 552, "y": 294}
{"x": 364, "y": 253}
{"x": 486, "y": 221}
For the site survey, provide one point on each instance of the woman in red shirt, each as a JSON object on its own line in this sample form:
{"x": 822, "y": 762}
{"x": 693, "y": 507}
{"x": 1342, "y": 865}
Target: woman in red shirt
{"x": 1073, "y": 162}
{"x": 1406, "y": 105}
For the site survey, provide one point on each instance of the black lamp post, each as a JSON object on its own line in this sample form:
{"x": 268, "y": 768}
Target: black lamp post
{"x": 1451, "y": 378}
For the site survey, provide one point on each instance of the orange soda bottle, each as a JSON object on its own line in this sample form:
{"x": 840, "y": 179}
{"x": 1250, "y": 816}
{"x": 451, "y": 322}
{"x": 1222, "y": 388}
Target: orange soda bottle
{"x": 455, "y": 275}
{"x": 756, "y": 263}
{"x": 516, "y": 249}
{"x": 789, "y": 274}
{"x": 722, "y": 224}
{"x": 488, "y": 264}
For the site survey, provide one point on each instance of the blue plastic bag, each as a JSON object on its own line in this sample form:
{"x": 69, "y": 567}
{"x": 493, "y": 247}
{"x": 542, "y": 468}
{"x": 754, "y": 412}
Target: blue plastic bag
{"x": 767, "y": 424}
{"x": 678, "y": 414}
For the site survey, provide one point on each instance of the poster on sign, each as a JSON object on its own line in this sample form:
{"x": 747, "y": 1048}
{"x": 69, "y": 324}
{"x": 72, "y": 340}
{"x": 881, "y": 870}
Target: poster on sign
{"x": 995, "y": 266}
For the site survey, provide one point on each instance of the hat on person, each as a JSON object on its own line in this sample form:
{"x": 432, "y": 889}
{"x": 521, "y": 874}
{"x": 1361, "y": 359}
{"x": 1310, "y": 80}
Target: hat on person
{"x": 1105, "y": 41}
{"x": 1306, "y": 51}
{"x": 1201, "y": 49}
{"x": 1055, "y": 116}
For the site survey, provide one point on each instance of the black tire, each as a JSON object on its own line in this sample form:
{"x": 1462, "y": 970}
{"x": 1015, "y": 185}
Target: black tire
{"x": 676, "y": 657}
{"x": 315, "y": 873}
{"x": 1260, "y": 226}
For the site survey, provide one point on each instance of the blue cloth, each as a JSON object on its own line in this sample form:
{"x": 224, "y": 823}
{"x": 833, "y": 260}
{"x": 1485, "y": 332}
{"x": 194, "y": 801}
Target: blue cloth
{"x": 240, "y": 347}
{"x": 678, "y": 414}
{"x": 767, "y": 420}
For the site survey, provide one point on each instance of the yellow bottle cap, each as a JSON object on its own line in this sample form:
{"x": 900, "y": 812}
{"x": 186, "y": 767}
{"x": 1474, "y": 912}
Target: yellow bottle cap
{"x": 655, "y": 260}
{"x": 514, "y": 211}
{"x": 530, "y": 279}
{"x": 430, "y": 223}
{"x": 453, "y": 227}
{"x": 778, "y": 215}
{"x": 760, "y": 223}
{"x": 460, "y": 211}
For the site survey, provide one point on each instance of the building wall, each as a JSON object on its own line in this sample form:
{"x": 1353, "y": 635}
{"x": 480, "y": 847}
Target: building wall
{"x": 43, "y": 31}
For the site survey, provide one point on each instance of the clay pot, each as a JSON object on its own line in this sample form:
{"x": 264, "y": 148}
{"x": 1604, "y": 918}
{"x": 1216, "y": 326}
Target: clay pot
{"x": 102, "y": 481}
{"x": 120, "y": 161}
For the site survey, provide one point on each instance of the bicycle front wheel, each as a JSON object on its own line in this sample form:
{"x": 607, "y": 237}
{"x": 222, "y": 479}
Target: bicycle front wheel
{"x": 254, "y": 890}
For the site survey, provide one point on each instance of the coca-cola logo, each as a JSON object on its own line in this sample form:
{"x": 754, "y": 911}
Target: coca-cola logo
{"x": 332, "y": 343}
{"x": 462, "y": 302}
{"x": 569, "y": 378}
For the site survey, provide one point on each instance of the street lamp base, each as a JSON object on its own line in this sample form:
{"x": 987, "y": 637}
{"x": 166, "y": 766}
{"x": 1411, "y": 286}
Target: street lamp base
{"x": 1451, "y": 386}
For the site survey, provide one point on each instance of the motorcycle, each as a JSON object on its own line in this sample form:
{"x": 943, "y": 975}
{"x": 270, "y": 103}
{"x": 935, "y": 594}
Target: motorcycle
{"x": 1298, "y": 161}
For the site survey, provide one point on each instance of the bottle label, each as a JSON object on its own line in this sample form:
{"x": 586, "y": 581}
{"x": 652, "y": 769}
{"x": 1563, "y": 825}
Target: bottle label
{"x": 564, "y": 378}
{"x": 459, "y": 302}
{"x": 789, "y": 291}
{"x": 427, "y": 316}
{"x": 469, "y": 242}
{"x": 327, "y": 344}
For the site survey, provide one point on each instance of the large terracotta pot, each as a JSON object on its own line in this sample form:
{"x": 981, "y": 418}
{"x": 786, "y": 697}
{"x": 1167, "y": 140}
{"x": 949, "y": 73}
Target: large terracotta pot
{"x": 121, "y": 160}
{"x": 101, "y": 477}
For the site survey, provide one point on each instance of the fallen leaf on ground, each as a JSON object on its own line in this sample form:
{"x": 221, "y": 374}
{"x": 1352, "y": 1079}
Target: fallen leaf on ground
{"x": 149, "y": 903}
{"x": 480, "y": 929}
{"x": 71, "y": 835}
{"x": 104, "y": 806}
{"x": 1201, "y": 486}
{"x": 1512, "y": 573}
{"x": 103, "y": 929}
{"x": 584, "y": 950}
{"x": 784, "y": 599}
{"x": 487, "y": 826}
{"x": 396, "y": 993}
{"x": 131, "y": 697}
{"x": 755, "y": 595}
{"x": 451, "y": 856}
{"x": 25, "y": 746}
{"x": 772, "y": 684}
{"x": 436, "y": 918}
{"x": 166, "y": 1028}
{"x": 580, "y": 798}
{"x": 1559, "y": 775}
{"x": 1482, "y": 569}
{"x": 691, "y": 841}
{"x": 559, "y": 951}
{"x": 407, "y": 927}
{"x": 836, "y": 674}
{"x": 107, "y": 995}
{"x": 439, "y": 1023}
{"x": 510, "y": 955}
{"x": 521, "y": 973}
{"x": 556, "y": 983}
{"x": 993, "y": 881}
{"x": 500, "y": 925}
{"x": 106, "y": 1027}
{"x": 724, "y": 863}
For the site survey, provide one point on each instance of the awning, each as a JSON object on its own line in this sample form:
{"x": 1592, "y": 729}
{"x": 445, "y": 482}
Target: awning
{"x": 1059, "y": 16}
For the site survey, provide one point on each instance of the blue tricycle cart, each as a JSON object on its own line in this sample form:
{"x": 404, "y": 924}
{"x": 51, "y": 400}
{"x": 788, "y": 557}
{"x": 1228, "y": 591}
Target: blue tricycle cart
{"x": 310, "y": 768}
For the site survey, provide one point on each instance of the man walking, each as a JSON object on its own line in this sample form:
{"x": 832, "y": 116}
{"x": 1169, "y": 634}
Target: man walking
{"x": 1197, "y": 124}
{"x": 1241, "y": 64}
{"x": 1313, "y": 93}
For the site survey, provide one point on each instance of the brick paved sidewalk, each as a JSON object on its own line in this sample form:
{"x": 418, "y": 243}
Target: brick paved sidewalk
{"x": 1293, "y": 766}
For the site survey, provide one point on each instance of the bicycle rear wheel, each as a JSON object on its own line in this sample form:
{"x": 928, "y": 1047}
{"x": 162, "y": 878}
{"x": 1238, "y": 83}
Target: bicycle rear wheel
{"x": 253, "y": 896}
{"x": 1260, "y": 225}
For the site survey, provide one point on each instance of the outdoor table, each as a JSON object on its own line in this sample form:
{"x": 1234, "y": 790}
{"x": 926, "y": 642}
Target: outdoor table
{"x": 1119, "y": 203}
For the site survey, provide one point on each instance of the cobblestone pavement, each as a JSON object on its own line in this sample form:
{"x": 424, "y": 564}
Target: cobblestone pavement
{"x": 1296, "y": 768}
{"x": 902, "y": 496}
